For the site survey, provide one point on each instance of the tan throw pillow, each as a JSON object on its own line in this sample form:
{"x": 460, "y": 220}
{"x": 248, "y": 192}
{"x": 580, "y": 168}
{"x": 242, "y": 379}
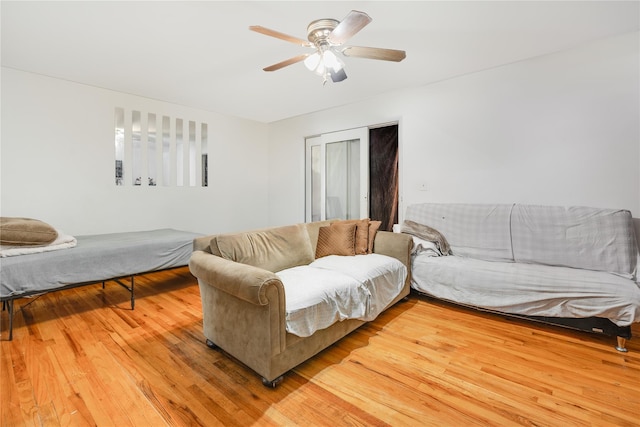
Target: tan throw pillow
{"x": 373, "y": 229}
{"x": 313, "y": 228}
{"x": 25, "y": 232}
{"x": 336, "y": 239}
{"x": 362, "y": 234}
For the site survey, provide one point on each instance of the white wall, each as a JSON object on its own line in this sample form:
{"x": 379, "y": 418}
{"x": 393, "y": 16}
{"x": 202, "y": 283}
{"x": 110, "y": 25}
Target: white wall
{"x": 57, "y": 158}
{"x": 561, "y": 129}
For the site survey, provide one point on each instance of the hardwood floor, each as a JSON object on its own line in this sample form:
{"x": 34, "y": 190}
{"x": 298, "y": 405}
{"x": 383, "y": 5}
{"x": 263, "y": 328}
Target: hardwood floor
{"x": 82, "y": 357}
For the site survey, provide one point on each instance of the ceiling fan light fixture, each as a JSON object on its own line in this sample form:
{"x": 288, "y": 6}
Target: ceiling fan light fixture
{"x": 321, "y": 70}
{"x": 330, "y": 60}
{"x": 312, "y": 61}
{"x": 322, "y": 64}
{"x": 338, "y": 76}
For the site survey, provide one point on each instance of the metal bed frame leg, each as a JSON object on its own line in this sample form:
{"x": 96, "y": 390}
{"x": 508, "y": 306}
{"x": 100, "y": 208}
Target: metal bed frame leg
{"x": 10, "y": 311}
{"x": 8, "y": 305}
{"x": 129, "y": 288}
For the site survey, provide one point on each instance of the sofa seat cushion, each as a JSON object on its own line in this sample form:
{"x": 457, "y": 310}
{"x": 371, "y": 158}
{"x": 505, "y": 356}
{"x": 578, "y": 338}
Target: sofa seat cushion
{"x": 336, "y": 288}
{"x": 527, "y": 289}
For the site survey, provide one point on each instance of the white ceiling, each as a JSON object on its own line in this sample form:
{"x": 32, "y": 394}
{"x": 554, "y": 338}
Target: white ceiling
{"x": 202, "y": 54}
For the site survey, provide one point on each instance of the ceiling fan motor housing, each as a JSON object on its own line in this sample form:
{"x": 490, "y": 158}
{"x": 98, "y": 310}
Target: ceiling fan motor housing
{"x": 318, "y": 31}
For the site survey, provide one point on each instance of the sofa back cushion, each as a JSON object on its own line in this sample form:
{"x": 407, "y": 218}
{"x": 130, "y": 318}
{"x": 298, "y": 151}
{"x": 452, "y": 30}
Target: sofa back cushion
{"x": 272, "y": 249}
{"x": 478, "y": 231}
{"x": 313, "y": 230}
{"x": 575, "y": 236}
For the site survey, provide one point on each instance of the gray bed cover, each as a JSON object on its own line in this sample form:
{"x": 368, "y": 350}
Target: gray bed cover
{"x": 94, "y": 259}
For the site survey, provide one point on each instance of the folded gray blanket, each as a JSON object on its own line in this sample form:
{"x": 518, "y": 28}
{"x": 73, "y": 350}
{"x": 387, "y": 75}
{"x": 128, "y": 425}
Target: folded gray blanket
{"x": 427, "y": 233}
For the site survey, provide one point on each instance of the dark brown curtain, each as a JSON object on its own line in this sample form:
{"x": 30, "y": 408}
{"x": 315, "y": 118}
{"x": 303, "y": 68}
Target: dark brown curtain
{"x": 383, "y": 175}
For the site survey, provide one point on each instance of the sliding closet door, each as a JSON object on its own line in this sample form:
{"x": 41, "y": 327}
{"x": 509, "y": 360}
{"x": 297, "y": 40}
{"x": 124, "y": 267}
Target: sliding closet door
{"x": 337, "y": 168}
{"x": 314, "y": 156}
{"x": 383, "y": 175}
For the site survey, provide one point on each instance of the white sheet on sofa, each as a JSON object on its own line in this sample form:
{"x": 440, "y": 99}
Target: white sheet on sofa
{"x": 336, "y": 288}
{"x": 536, "y": 290}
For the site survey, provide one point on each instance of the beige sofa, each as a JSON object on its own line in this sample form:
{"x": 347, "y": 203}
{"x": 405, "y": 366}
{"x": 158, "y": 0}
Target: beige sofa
{"x": 243, "y": 300}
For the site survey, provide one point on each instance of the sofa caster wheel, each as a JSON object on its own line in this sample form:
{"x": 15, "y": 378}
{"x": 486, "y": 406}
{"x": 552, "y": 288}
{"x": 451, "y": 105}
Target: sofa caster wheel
{"x": 621, "y": 345}
{"x": 274, "y": 383}
{"x": 211, "y": 344}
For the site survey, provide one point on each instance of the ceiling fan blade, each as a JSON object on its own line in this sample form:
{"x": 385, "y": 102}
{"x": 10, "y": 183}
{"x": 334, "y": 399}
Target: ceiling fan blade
{"x": 286, "y": 62}
{"x": 375, "y": 53}
{"x": 348, "y": 27}
{"x": 279, "y": 35}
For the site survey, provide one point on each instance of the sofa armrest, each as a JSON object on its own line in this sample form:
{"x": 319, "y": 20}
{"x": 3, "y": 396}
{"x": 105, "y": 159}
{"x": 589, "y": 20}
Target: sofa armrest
{"x": 396, "y": 245}
{"x": 243, "y": 281}
{"x": 243, "y": 309}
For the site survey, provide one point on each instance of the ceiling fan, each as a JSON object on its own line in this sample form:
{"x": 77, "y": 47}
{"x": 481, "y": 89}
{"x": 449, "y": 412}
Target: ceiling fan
{"x": 327, "y": 37}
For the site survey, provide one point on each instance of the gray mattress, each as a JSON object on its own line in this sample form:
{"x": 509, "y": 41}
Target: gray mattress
{"x": 95, "y": 258}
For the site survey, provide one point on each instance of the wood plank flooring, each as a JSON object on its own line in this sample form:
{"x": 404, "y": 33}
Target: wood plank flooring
{"x": 82, "y": 357}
